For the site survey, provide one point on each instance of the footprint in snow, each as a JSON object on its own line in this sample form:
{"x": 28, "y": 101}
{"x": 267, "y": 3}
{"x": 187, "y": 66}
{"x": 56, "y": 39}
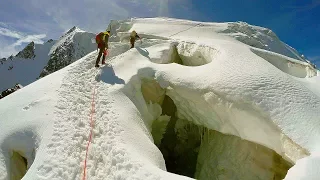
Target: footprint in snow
{"x": 30, "y": 105}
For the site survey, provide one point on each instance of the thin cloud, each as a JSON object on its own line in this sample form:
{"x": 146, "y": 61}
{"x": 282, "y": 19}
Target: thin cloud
{"x": 7, "y": 48}
{"x": 94, "y": 15}
{"x": 55, "y": 17}
{"x": 9, "y": 33}
{"x": 35, "y": 38}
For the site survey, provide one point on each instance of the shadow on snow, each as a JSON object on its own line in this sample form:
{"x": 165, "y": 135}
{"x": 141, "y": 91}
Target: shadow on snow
{"x": 108, "y": 76}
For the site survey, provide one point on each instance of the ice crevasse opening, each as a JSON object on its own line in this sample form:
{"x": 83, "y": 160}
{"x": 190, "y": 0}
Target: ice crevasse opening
{"x": 199, "y": 152}
{"x": 197, "y": 131}
{"x": 183, "y": 53}
{"x": 191, "y": 54}
{"x": 20, "y": 150}
{"x": 193, "y": 150}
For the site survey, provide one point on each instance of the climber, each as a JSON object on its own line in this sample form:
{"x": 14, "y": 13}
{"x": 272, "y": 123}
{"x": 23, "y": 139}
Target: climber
{"x": 102, "y": 40}
{"x": 133, "y": 37}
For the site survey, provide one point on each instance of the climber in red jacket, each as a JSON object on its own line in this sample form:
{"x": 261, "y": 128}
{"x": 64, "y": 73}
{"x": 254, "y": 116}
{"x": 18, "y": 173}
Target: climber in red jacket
{"x": 102, "y": 40}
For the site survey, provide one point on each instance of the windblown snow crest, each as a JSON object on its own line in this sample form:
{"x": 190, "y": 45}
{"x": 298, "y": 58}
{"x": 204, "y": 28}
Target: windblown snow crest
{"x": 260, "y": 37}
{"x": 187, "y": 102}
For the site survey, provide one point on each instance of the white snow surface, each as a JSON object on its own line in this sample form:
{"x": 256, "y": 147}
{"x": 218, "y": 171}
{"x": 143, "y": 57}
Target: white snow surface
{"x": 262, "y": 38}
{"x": 224, "y": 85}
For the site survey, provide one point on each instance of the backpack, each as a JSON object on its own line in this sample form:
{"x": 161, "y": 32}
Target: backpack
{"x": 133, "y": 34}
{"x": 100, "y": 37}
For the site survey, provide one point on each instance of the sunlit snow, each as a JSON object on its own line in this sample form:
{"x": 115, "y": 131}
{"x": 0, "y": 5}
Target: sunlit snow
{"x": 192, "y": 100}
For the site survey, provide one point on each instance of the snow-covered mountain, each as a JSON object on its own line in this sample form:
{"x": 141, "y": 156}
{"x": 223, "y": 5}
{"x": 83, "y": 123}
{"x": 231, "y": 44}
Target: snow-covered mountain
{"x": 72, "y": 46}
{"x": 38, "y": 60}
{"x": 25, "y": 67}
{"x": 192, "y": 100}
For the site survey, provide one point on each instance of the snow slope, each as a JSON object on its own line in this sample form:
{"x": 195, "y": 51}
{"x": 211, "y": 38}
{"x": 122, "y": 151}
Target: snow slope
{"x": 218, "y": 86}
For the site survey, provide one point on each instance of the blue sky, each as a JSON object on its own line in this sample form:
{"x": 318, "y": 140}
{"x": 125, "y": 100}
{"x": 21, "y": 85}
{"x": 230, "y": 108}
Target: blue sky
{"x": 296, "y": 23}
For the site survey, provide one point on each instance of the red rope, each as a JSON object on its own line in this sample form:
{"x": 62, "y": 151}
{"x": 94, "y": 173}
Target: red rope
{"x": 91, "y": 130}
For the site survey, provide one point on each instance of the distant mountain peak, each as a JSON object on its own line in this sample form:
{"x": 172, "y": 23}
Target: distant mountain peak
{"x": 70, "y": 47}
{"x": 50, "y": 40}
{"x": 73, "y": 29}
{"x": 2, "y": 60}
{"x": 27, "y": 52}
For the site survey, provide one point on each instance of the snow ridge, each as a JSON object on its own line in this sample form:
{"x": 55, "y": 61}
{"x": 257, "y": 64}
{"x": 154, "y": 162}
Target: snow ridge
{"x": 260, "y": 37}
{"x": 77, "y": 95}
